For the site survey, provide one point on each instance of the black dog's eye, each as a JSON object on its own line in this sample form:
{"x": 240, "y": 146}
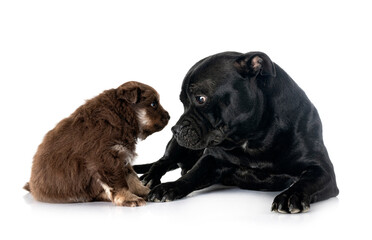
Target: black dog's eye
{"x": 201, "y": 99}
{"x": 154, "y": 104}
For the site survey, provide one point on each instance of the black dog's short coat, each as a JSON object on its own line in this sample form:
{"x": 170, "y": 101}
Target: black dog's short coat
{"x": 246, "y": 123}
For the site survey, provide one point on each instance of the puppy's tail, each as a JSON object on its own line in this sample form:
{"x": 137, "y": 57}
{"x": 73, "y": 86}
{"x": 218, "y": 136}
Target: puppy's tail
{"x": 143, "y": 168}
{"x": 27, "y": 187}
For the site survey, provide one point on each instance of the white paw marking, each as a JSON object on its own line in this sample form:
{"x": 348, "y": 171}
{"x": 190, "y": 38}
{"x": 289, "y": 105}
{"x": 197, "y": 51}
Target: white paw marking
{"x": 106, "y": 188}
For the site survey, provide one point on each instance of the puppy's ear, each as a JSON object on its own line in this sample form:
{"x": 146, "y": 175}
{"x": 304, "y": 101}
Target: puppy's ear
{"x": 129, "y": 92}
{"x": 255, "y": 64}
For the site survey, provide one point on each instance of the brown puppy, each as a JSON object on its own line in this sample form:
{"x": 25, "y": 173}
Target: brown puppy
{"x": 88, "y": 156}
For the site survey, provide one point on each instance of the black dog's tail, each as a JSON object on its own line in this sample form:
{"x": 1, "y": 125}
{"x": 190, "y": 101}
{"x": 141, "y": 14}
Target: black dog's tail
{"x": 143, "y": 168}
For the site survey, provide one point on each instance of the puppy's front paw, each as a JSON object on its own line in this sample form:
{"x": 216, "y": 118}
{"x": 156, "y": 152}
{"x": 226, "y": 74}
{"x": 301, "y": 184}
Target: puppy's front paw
{"x": 143, "y": 192}
{"x": 129, "y": 200}
{"x": 288, "y": 202}
{"x": 166, "y": 192}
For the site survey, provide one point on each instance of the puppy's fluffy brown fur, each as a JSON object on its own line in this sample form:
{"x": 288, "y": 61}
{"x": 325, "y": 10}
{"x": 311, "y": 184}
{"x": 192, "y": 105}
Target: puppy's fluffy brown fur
{"x": 87, "y": 156}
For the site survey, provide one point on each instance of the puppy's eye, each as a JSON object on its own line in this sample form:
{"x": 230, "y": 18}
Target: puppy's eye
{"x": 201, "y": 99}
{"x": 154, "y": 104}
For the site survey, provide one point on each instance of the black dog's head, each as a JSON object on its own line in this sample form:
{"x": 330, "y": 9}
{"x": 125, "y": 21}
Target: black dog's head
{"x": 221, "y": 94}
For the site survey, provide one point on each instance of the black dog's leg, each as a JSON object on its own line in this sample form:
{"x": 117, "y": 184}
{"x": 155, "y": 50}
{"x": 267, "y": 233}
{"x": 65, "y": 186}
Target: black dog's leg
{"x": 315, "y": 184}
{"x": 157, "y": 170}
{"x": 258, "y": 179}
{"x": 206, "y": 172}
{"x": 142, "y": 168}
{"x": 175, "y": 156}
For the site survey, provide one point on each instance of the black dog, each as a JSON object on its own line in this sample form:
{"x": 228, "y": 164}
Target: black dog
{"x": 247, "y": 124}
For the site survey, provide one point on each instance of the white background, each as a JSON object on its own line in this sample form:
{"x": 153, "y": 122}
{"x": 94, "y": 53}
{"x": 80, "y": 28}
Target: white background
{"x": 56, "y": 54}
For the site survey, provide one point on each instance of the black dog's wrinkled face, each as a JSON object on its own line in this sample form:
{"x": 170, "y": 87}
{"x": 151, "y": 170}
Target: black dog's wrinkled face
{"x": 220, "y": 94}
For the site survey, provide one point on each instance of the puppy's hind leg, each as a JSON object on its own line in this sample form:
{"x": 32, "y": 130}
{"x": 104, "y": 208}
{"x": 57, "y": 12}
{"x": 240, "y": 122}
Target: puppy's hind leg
{"x": 119, "y": 181}
{"x": 120, "y": 197}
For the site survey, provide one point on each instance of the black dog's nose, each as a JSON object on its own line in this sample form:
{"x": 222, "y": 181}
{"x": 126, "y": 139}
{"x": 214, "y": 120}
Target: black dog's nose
{"x": 176, "y": 129}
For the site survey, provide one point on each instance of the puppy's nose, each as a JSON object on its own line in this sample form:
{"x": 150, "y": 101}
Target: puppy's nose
{"x": 167, "y": 115}
{"x": 176, "y": 129}
{"x": 165, "y": 118}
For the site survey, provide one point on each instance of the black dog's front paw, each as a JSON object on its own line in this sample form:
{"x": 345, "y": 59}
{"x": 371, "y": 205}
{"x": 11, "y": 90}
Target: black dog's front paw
{"x": 287, "y": 202}
{"x": 149, "y": 180}
{"x": 166, "y": 192}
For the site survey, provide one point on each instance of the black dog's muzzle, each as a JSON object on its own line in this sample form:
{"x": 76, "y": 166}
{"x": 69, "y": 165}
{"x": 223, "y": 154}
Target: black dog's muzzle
{"x": 194, "y": 138}
{"x": 186, "y": 135}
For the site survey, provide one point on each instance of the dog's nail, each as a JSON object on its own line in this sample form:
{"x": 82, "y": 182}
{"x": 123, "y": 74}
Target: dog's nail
{"x": 292, "y": 209}
{"x": 274, "y": 207}
{"x": 149, "y": 184}
{"x": 305, "y": 207}
{"x": 280, "y": 209}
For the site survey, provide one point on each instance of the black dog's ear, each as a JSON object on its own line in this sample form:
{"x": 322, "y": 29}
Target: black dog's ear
{"x": 129, "y": 92}
{"x": 255, "y": 63}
